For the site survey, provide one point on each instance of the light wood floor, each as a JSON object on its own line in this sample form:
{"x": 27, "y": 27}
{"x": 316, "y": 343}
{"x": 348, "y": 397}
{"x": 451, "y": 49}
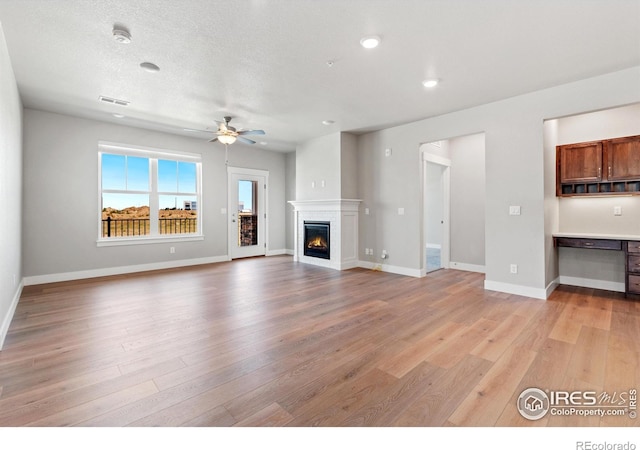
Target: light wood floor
{"x": 269, "y": 342}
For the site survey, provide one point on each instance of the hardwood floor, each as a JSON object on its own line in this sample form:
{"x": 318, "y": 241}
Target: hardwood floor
{"x": 269, "y": 342}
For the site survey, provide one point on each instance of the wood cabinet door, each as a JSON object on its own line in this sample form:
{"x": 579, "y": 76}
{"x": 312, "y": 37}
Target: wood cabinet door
{"x": 623, "y": 158}
{"x": 580, "y": 162}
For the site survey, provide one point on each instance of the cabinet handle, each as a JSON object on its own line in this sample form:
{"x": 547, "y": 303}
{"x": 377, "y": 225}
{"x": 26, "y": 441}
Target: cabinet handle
{"x": 599, "y": 172}
{"x": 588, "y": 244}
{"x": 609, "y": 172}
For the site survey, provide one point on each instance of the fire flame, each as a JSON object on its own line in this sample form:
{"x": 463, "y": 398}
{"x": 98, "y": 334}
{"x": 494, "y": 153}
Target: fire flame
{"x": 318, "y": 242}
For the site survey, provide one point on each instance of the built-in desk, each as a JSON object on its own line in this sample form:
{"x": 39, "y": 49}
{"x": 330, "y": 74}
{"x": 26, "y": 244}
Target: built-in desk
{"x": 629, "y": 244}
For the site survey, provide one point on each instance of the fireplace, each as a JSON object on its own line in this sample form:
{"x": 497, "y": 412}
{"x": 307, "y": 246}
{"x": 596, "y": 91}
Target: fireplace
{"x": 317, "y": 240}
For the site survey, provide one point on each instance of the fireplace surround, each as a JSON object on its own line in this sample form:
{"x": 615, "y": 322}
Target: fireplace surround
{"x": 341, "y": 215}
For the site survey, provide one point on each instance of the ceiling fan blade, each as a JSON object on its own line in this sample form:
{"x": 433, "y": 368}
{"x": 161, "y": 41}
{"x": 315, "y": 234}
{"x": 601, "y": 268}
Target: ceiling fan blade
{"x": 251, "y": 132}
{"x": 214, "y": 139}
{"x": 245, "y": 140}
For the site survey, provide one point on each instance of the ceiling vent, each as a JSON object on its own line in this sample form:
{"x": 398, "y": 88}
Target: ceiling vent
{"x": 113, "y": 101}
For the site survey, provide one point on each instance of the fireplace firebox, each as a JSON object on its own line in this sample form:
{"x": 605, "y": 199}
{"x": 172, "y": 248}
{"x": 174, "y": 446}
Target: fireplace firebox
{"x": 317, "y": 241}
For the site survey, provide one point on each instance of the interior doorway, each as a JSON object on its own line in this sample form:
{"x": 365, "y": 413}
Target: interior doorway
{"x": 247, "y": 212}
{"x": 436, "y": 210}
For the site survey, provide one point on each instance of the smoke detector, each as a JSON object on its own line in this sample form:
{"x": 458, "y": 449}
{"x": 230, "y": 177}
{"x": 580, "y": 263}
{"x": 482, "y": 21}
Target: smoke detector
{"x": 121, "y": 35}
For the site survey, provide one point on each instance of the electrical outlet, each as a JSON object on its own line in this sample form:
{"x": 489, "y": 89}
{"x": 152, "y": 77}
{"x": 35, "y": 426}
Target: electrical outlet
{"x": 514, "y": 268}
{"x": 617, "y": 210}
{"x": 172, "y": 249}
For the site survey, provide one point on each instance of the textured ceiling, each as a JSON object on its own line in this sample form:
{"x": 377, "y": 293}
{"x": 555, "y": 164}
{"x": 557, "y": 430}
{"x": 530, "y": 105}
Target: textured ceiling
{"x": 264, "y": 62}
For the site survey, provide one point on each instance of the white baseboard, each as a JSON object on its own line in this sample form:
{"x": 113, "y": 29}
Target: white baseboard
{"x": 467, "y": 267}
{"x": 282, "y": 251}
{"x": 515, "y": 289}
{"x": 390, "y": 269}
{"x": 591, "y": 283}
{"x": 6, "y": 321}
{"x": 82, "y": 274}
{"x": 552, "y": 286}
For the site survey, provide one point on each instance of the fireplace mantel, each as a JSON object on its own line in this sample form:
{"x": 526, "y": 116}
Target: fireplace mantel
{"x": 326, "y": 205}
{"x": 342, "y": 214}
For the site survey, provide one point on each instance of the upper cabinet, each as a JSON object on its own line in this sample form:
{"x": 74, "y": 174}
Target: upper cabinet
{"x": 580, "y": 162}
{"x": 623, "y": 158}
{"x": 610, "y": 166}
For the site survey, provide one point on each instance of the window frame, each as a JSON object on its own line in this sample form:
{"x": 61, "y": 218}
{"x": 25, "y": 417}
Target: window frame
{"x": 153, "y": 154}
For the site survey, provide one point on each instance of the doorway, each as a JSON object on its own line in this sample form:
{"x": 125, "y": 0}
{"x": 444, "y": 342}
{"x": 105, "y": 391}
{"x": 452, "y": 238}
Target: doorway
{"x": 247, "y": 212}
{"x": 436, "y": 211}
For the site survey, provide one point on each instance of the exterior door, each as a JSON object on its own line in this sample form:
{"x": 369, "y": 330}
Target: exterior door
{"x": 247, "y": 212}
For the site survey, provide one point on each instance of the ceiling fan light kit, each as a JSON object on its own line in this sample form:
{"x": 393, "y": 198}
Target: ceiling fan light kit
{"x": 227, "y": 135}
{"x": 227, "y": 139}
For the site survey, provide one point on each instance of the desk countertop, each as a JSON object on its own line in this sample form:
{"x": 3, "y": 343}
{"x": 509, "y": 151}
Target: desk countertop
{"x": 621, "y": 237}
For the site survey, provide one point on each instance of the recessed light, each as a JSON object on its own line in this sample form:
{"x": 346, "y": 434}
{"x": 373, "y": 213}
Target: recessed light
{"x": 432, "y": 82}
{"x": 150, "y": 67}
{"x": 328, "y": 122}
{"x": 118, "y": 116}
{"x": 121, "y": 35}
{"x": 370, "y": 41}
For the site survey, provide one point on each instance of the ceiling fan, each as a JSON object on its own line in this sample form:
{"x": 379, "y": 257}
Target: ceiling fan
{"x": 226, "y": 134}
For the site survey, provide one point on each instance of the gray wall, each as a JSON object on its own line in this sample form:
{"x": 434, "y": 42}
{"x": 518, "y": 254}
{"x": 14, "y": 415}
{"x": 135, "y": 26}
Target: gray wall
{"x": 467, "y": 199}
{"x": 515, "y": 175}
{"x": 318, "y": 161}
{"x": 348, "y": 166}
{"x": 10, "y": 190}
{"x": 61, "y": 194}
{"x": 290, "y": 188}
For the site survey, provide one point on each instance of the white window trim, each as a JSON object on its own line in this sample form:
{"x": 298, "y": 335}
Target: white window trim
{"x": 153, "y": 154}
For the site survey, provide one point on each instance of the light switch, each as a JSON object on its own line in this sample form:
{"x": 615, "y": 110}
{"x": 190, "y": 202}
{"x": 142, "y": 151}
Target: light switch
{"x": 366, "y": 211}
{"x": 514, "y": 210}
{"x": 401, "y": 211}
{"x": 223, "y": 210}
{"x": 387, "y": 152}
{"x": 617, "y": 210}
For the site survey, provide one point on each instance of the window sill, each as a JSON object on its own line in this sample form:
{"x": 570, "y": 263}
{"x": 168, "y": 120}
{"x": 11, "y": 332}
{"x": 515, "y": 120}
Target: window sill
{"x": 114, "y": 242}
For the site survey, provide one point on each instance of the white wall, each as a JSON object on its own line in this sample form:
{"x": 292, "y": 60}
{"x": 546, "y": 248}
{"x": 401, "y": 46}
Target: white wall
{"x": 10, "y": 190}
{"x": 514, "y": 163}
{"x": 61, "y": 194}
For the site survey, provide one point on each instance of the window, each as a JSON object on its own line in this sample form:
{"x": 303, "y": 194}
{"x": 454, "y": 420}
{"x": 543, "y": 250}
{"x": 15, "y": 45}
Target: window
{"x": 148, "y": 194}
